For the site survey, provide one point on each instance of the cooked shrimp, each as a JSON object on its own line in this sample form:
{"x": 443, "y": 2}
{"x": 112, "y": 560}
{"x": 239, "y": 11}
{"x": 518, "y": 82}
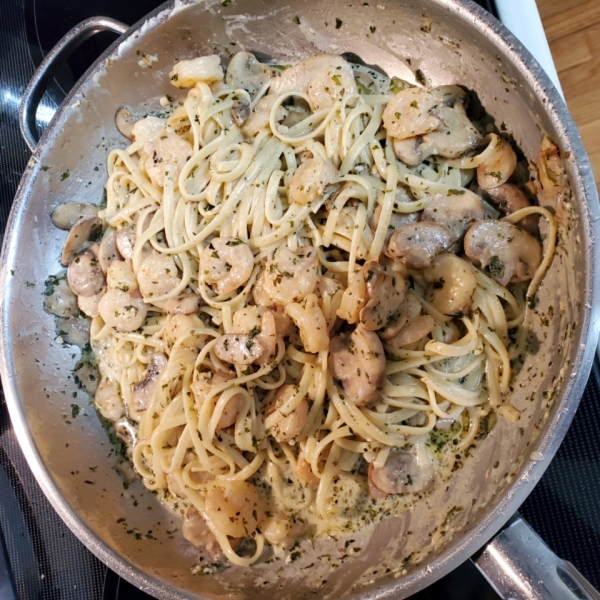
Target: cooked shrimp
{"x": 147, "y": 129}
{"x": 245, "y": 72}
{"x": 234, "y": 507}
{"x": 325, "y": 78}
{"x": 310, "y": 179}
{"x": 186, "y": 304}
{"x": 120, "y": 276}
{"x": 179, "y": 325}
{"x": 358, "y": 361}
{"x": 167, "y": 149}
{"x": 453, "y": 284}
{"x": 311, "y": 323}
{"x": 289, "y": 276}
{"x": 386, "y": 296}
{"x": 290, "y": 426}
{"x": 122, "y": 310}
{"x": 227, "y": 264}
{"x": 204, "y": 69}
{"x": 60, "y": 300}
{"x": 125, "y": 242}
{"x": 204, "y": 388}
{"x": 260, "y": 324}
{"x": 410, "y": 113}
{"x": 239, "y": 348}
{"x": 108, "y": 400}
{"x": 158, "y": 275}
{"x": 90, "y": 305}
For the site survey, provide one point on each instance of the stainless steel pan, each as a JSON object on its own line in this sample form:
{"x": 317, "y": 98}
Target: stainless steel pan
{"x": 447, "y": 41}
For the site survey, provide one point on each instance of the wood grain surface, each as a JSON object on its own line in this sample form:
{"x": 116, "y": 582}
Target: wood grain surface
{"x": 573, "y": 31}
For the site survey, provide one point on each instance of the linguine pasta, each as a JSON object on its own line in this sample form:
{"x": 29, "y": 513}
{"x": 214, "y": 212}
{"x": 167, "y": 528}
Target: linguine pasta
{"x": 304, "y": 318}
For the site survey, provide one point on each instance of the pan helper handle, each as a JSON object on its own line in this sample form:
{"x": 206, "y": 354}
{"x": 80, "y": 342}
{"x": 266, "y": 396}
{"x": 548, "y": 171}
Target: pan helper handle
{"x": 63, "y": 49}
{"x": 519, "y": 566}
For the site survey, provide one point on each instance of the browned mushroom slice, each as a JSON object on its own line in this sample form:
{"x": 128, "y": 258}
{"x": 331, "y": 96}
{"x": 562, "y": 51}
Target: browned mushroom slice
{"x": 509, "y": 199}
{"x": 125, "y": 120}
{"x": 417, "y": 245}
{"x": 358, "y": 361}
{"x": 144, "y": 390}
{"x": 397, "y": 220}
{"x": 553, "y": 184}
{"x": 455, "y": 209}
{"x": 83, "y": 231}
{"x": 401, "y": 474}
{"x": 186, "y": 304}
{"x": 126, "y": 431}
{"x": 507, "y": 252}
{"x": 386, "y": 293}
{"x": 64, "y": 216}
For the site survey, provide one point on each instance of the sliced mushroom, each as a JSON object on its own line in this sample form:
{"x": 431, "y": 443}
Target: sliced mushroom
{"x": 417, "y": 245}
{"x": 386, "y": 296}
{"x": 245, "y": 72}
{"x": 507, "y": 252}
{"x": 397, "y": 220}
{"x": 125, "y": 121}
{"x": 498, "y": 167}
{"x": 455, "y": 209}
{"x": 186, "y": 304}
{"x": 414, "y": 331}
{"x": 125, "y": 241}
{"x": 240, "y": 111}
{"x": 143, "y": 391}
{"x": 412, "y": 311}
{"x": 402, "y": 473}
{"x": 84, "y": 275}
{"x": 238, "y": 348}
{"x": 85, "y": 230}
{"x": 126, "y": 431}
{"x": 64, "y": 216}
{"x": 59, "y": 300}
{"x": 358, "y": 361}
{"x": 108, "y": 252}
{"x": 453, "y": 284}
{"x": 509, "y": 199}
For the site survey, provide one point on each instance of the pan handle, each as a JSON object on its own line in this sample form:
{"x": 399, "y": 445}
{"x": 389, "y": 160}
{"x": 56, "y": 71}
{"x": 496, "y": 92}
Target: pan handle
{"x": 70, "y": 42}
{"x": 519, "y": 566}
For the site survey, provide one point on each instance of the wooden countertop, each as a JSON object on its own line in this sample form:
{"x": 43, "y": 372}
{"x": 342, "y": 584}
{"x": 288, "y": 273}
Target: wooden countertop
{"x": 573, "y": 31}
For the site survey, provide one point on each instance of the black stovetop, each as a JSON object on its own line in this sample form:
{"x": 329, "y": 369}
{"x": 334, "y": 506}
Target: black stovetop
{"x": 39, "y": 557}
